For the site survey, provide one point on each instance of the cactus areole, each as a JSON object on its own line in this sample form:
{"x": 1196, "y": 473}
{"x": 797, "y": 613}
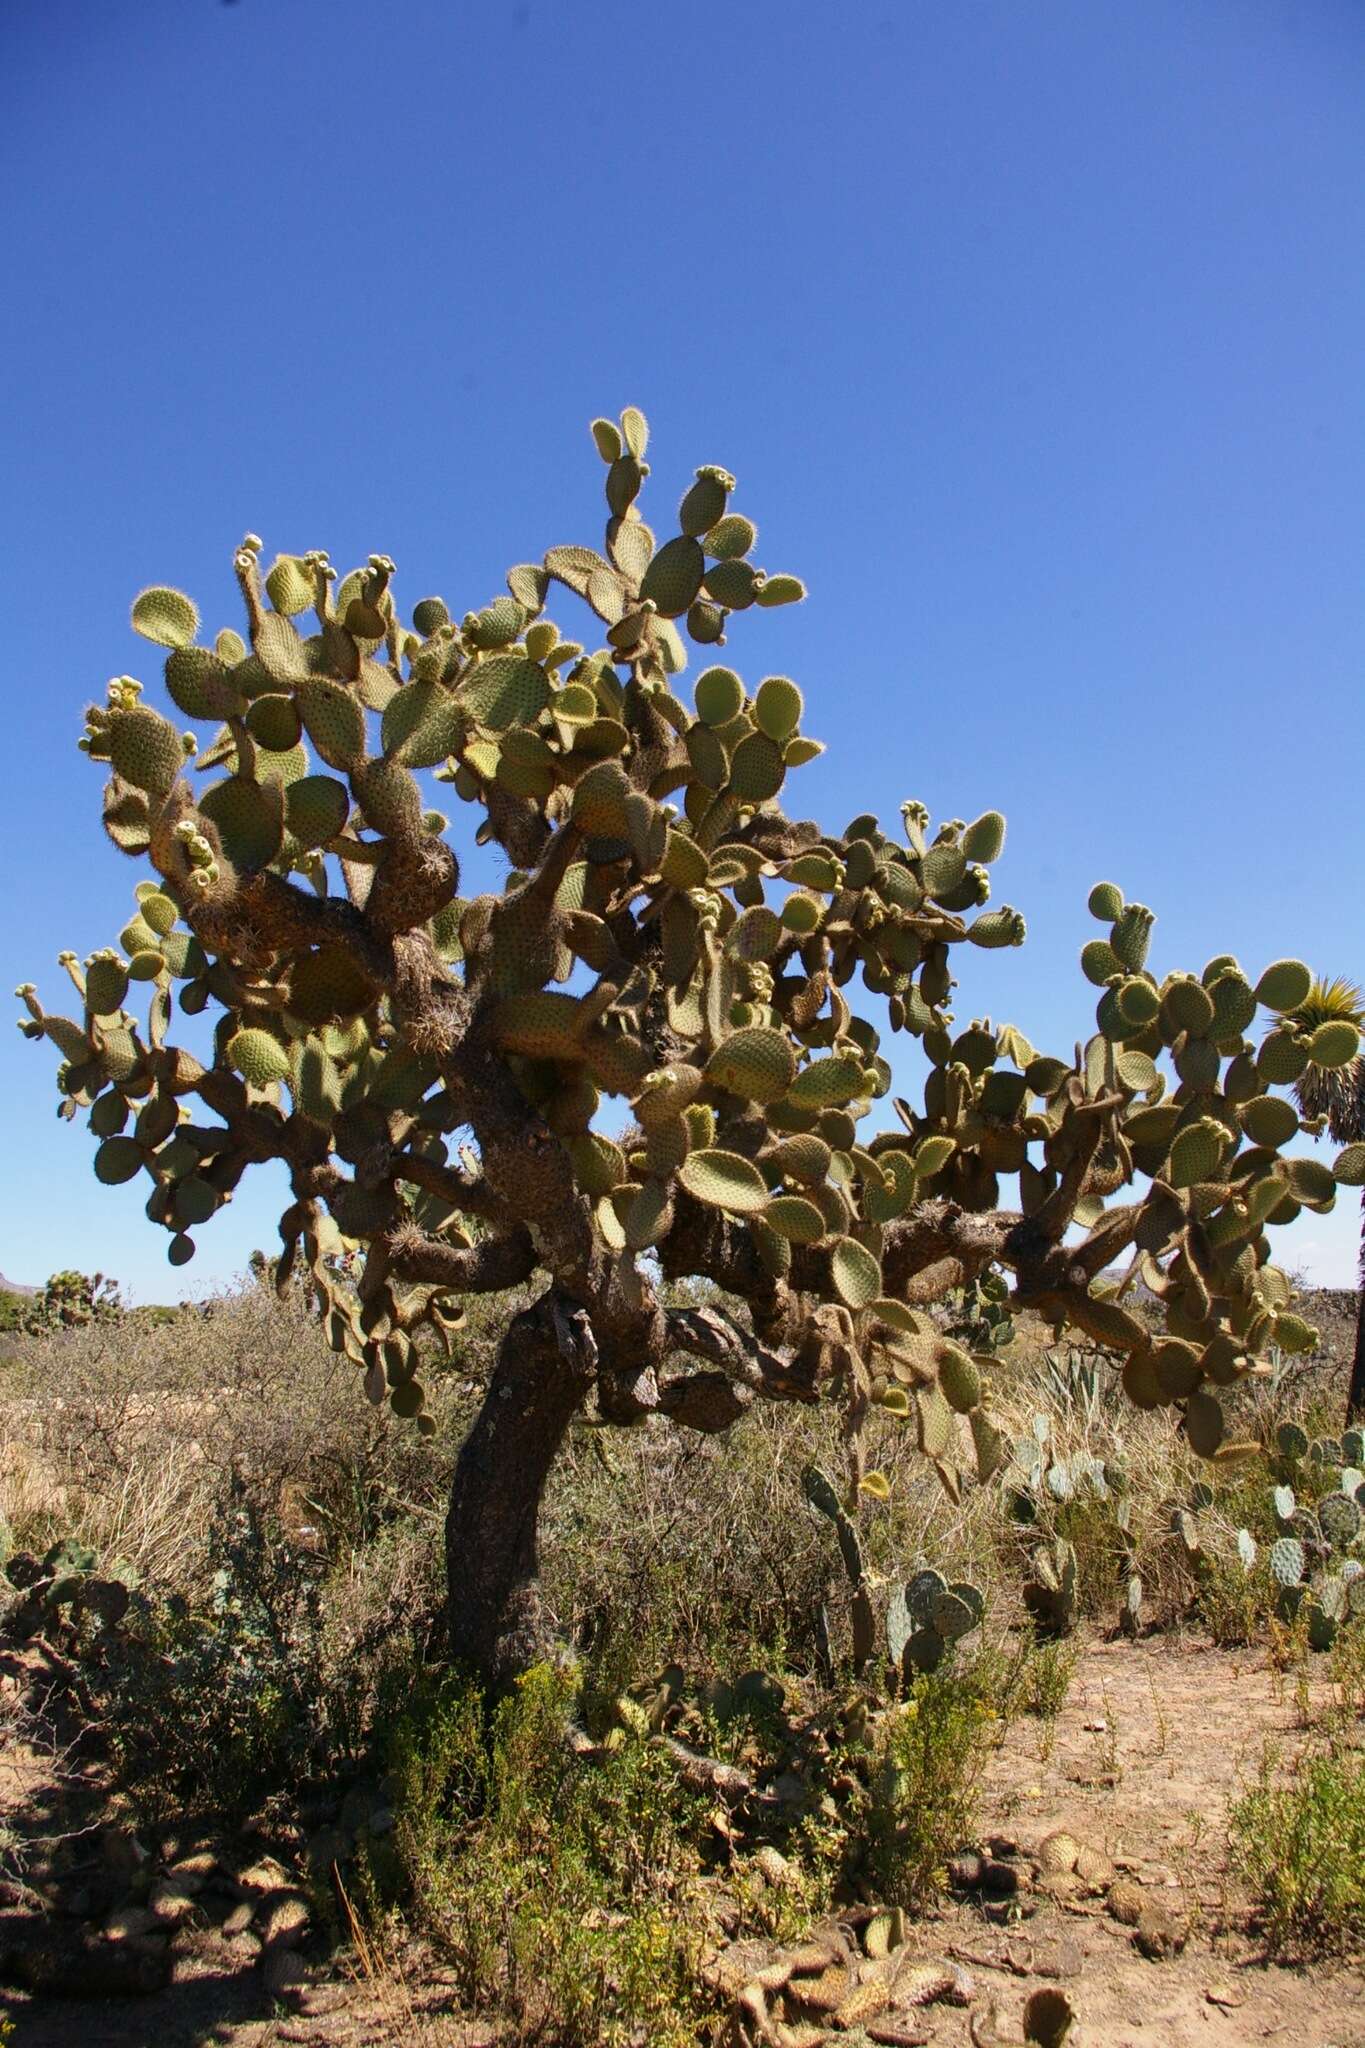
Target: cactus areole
{"x": 642, "y": 1059}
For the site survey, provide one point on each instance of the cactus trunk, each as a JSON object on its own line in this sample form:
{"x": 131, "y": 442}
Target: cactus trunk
{"x": 498, "y": 1621}
{"x": 1355, "y": 1398}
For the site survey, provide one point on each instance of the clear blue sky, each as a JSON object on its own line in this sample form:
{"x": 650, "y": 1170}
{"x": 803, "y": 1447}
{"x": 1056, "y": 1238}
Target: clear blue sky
{"x": 1033, "y": 333}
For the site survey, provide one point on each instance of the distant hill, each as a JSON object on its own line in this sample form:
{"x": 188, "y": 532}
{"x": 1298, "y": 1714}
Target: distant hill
{"x": 13, "y": 1287}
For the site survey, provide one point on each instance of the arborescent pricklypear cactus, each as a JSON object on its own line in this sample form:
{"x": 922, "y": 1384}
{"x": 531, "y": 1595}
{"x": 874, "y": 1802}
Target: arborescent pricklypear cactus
{"x": 640, "y": 1056}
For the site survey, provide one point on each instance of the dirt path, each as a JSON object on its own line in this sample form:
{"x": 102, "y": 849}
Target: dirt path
{"x": 1143, "y": 1762}
{"x": 1146, "y": 1757}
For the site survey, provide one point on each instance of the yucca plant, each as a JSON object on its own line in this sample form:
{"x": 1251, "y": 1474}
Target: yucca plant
{"x": 1337, "y": 1094}
{"x": 637, "y": 1058}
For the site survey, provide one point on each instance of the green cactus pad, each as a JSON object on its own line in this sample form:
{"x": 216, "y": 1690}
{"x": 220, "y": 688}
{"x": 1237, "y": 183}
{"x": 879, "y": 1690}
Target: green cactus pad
{"x": 1339, "y": 1519}
{"x": 1334, "y": 1044}
{"x": 855, "y": 1271}
{"x": 1234, "y": 1007}
{"x": 1004, "y": 926}
{"x": 828, "y": 1083}
{"x": 1131, "y": 933}
{"x": 932, "y": 1154}
{"x": 1287, "y": 1561}
{"x": 1138, "y": 1002}
{"x": 805, "y": 1158}
{"x": 118, "y": 1160}
{"x": 719, "y": 696}
{"x": 258, "y": 1058}
{"x": 1307, "y": 1180}
{"x": 757, "y": 769}
{"x": 106, "y": 984}
{"x": 1205, "y": 1424}
{"x": 274, "y": 723}
{"x": 1294, "y": 1335}
{"x": 821, "y": 1492}
{"x": 984, "y": 838}
{"x": 731, "y": 537}
{"x": 1196, "y": 1153}
{"x": 674, "y": 576}
{"x": 921, "y": 1591}
{"x": 777, "y": 707}
{"x": 334, "y": 721}
{"x": 725, "y": 1181}
{"x": 166, "y": 616}
{"x": 1136, "y": 1070}
{"x": 1282, "y": 1057}
{"x": 951, "y": 1617}
{"x": 145, "y": 749}
{"x": 776, "y": 590}
{"x": 1186, "y": 1006}
{"x": 703, "y": 504}
{"x": 756, "y": 1062}
{"x": 959, "y": 1377}
{"x": 793, "y": 1217}
{"x": 328, "y": 984}
{"x": 390, "y": 798}
{"x": 1284, "y": 985}
{"x": 505, "y": 690}
{"x": 200, "y": 685}
{"x": 545, "y": 1025}
{"x": 316, "y": 808}
{"x": 290, "y": 585}
{"x": 250, "y": 819}
{"x": 1268, "y": 1120}
{"x": 1099, "y": 962}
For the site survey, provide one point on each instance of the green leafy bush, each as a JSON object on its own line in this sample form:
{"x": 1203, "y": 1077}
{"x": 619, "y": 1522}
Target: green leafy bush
{"x": 1300, "y": 1844}
{"x": 925, "y": 1787}
{"x": 554, "y": 1889}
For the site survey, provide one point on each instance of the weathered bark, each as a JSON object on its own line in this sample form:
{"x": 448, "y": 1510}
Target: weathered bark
{"x": 1355, "y": 1397}
{"x": 497, "y": 1619}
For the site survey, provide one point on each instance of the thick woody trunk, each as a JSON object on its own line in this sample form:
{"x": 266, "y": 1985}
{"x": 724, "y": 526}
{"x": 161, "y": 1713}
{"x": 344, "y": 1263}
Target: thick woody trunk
{"x": 1355, "y": 1398}
{"x": 498, "y": 1624}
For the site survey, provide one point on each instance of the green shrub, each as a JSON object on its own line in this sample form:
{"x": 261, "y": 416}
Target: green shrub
{"x": 220, "y": 1703}
{"x": 1300, "y": 1844}
{"x": 925, "y": 1787}
{"x": 555, "y": 1889}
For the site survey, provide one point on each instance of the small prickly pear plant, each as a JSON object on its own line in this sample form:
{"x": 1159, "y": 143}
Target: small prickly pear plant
{"x": 981, "y": 1314}
{"x": 63, "y": 1592}
{"x": 923, "y": 1618}
{"x": 926, "y": 1618}
{"x": 639, "y": 1054}
{"x": 1050, "y": 1591}
{"x": 1315, "y": 1558}
{"x": 1039, "y": 1480}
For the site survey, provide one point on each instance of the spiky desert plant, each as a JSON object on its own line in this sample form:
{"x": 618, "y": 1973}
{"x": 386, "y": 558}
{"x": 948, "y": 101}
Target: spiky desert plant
{"x": 1337, "y": 1095}
{"x": 638, "y": 1060}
